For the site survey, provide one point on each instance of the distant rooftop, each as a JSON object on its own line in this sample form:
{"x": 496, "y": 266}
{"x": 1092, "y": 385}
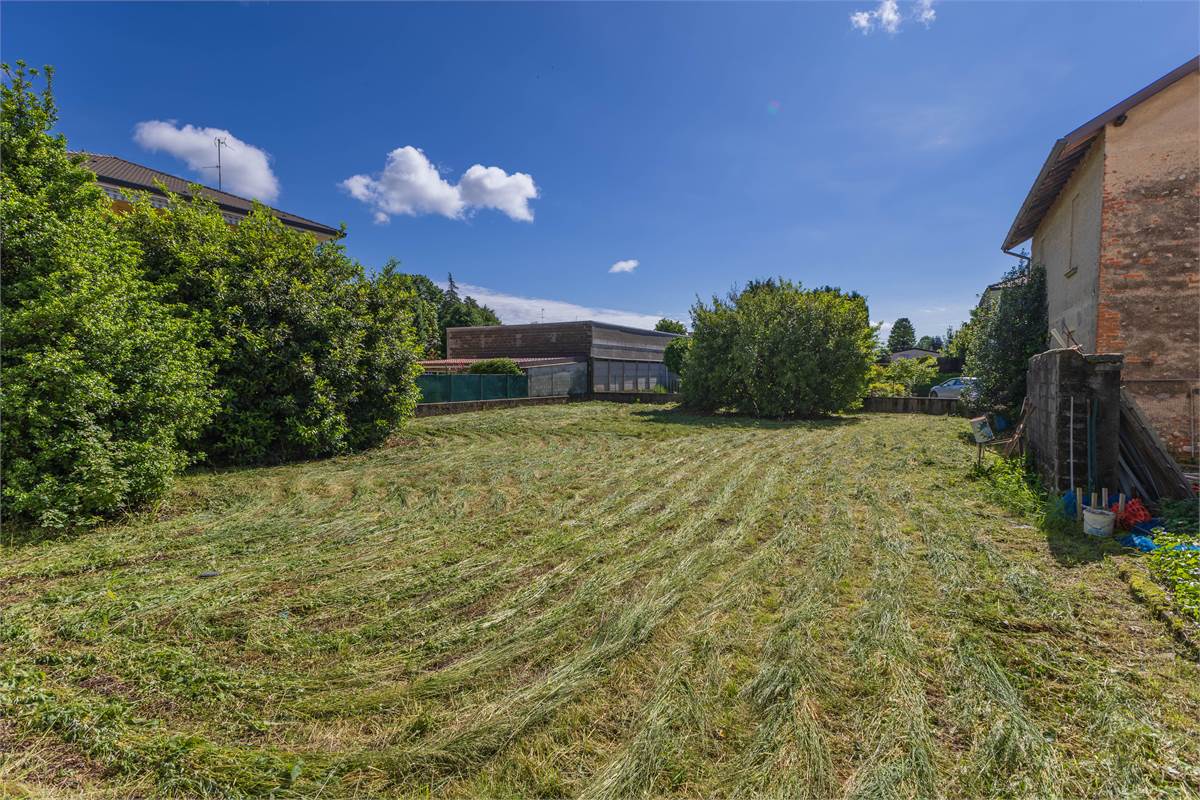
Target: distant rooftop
{"x": 124, "y": 174}
{"x": 543, "y": 325}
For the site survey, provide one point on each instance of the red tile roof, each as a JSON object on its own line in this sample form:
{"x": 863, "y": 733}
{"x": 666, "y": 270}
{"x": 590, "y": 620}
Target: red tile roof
{"x": 458, "y": 364}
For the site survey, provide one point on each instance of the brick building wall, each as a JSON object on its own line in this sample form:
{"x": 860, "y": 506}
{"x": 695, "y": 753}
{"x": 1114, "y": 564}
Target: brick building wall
{"x": 1149, "y": 276}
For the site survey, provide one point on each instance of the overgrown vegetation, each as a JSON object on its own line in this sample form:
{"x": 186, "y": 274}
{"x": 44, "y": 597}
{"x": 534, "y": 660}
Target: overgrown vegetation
{"x": 538, "y": 602}
{"x": 1004, "y": 334}
{"x": 312, "y": 356}
{"x": 775, "y": 349}
{"x": 135, "y": 344}
{"x": 902, "y": 377}
{"x": 1174, "y": 563}
{"x": 675, "y": 356}
{"x": 106, "y": 382}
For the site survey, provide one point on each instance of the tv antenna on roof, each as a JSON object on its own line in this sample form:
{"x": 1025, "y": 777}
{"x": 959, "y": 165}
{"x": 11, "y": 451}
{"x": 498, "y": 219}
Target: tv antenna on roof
{"x": 219, "y": 142}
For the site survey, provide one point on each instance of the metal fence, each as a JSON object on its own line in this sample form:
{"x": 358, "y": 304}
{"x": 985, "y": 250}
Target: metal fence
{"x": 632, "y": 376}
{"x": 552, "y": 380}
{"x": 555, "y": 380}
{"x": 466, "y": 388}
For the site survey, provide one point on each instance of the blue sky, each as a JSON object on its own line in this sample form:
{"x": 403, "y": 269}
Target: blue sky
{"x": 530, "y": 148}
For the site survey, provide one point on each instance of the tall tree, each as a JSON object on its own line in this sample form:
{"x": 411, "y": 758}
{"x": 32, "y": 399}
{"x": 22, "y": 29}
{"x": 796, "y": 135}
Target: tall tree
{"x": 461, "y": 312}
{"x": 933, "y": 343}
{"x": 903, "y": 336}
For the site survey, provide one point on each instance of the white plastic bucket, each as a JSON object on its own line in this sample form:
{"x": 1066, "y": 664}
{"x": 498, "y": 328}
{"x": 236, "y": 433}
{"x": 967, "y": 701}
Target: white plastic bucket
{"x": 1098, "y": 522}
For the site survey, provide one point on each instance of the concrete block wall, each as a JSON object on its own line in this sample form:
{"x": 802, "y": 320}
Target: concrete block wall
{"x": 1057, "y": 381}
{"x": 513, "y": 341}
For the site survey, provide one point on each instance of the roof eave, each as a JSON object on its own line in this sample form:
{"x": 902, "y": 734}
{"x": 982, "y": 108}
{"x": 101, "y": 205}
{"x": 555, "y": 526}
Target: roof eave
{"x": 1014, "y": 237}
{"x": 1023, "y": 228}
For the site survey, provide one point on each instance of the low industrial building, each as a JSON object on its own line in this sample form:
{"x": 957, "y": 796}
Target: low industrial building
{"x": 585, "y": 357}
{"x": 1114, "y": 215}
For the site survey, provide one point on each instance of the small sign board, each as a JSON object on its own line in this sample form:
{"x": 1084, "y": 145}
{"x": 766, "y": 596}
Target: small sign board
{"x": 981, "y": 430}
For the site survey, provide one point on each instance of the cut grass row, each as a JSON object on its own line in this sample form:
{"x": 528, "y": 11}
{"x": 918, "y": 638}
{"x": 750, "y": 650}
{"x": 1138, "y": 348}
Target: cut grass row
{"x": 591, "y": 600}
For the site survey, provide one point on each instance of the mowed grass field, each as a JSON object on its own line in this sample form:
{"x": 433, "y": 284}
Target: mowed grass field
{"x": 596, "y": 601}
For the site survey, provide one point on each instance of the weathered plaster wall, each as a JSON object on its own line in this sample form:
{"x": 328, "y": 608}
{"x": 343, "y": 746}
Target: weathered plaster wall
{"x": 1067, "y": 244}
{"x": 1149, "y": 276}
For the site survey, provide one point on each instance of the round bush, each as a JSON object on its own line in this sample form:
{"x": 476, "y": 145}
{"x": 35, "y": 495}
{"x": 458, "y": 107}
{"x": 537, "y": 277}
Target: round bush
{"x": 776, "y": 349}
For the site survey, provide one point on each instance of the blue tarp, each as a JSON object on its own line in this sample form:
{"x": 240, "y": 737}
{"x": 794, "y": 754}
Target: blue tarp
{"x": 1138, "y": 542}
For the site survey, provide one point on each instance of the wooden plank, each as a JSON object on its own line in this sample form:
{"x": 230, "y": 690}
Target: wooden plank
{"x": 1147, "y": 454}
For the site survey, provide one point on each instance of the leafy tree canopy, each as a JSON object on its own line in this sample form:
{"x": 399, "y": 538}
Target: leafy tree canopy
{"x": 670, "y": 326}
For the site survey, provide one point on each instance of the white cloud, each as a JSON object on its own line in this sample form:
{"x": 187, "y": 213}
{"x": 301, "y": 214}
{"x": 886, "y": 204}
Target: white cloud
{"x": 628, "y": 265}
{"x": 888, "y": 16}
{"x": 925, "y": 13}
{"x": 514, "y": 309}
{"x": 410, "y": 184}
{"x": 245, "y": 169}
{"x": 492, "y": 187}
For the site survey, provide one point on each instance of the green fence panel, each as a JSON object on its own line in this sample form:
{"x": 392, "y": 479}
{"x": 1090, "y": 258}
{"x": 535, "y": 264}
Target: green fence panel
{"x": 493, "y": 387}
{"x": 465, "y": 388}
{"x": 469, "y": 388}
{"x": 434, "y": 388}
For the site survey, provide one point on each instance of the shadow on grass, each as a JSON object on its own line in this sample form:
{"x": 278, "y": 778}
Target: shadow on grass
{"x": 679, "y": 415}
{"x": 1071, "y": 547}
{"x": 22, "y": 534}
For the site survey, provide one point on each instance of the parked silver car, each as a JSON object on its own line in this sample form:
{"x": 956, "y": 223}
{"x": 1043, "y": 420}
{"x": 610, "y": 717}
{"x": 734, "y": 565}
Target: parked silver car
{"x": 954, "y": 388}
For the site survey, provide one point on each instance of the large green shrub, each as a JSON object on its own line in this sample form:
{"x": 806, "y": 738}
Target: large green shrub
{"x": 776, "y": 349}
{"x": 1005, "y": 334}
{"x": 104, "y": 384}
{"x": 313, "y": 357}
{"x": 675, "y": 356}
{"x": 495, "y": 366}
